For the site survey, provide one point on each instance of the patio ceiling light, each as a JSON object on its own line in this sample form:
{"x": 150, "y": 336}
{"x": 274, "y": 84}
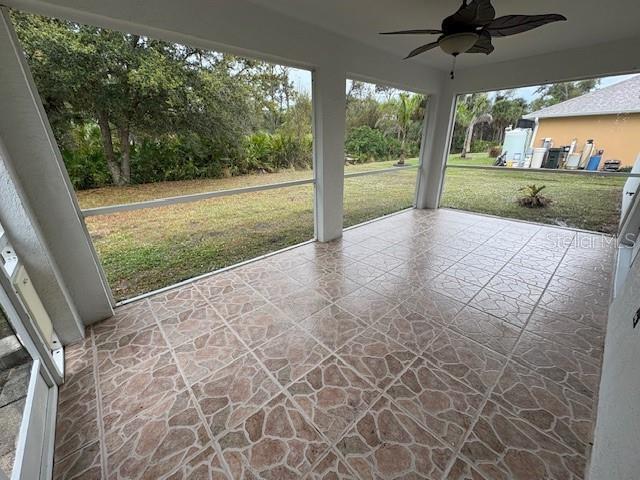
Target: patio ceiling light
{"x": 458, "y": 43}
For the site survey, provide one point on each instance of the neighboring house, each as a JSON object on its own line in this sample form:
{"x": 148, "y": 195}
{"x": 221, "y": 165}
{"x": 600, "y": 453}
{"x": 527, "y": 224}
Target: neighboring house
{"x": 610, "y": 116}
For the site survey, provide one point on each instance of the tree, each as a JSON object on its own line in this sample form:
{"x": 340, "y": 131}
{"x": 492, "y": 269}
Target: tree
{"x": 408, "y": 109}
{"x": 273, "y": 92}
{"x": 356, "y": 90}
{"x": 471, "y": 110}
{"x": 382, "y": 122}
{"x": 297, "y": 118}
{"x": 130, "y": 86}
{"x": 559, "y": 92}
{"x": 504, "y": 112}
{"x": 363, "y": 108}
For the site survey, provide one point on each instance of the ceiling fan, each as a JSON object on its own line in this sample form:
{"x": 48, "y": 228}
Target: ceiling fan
{"x": 471, "y": 28}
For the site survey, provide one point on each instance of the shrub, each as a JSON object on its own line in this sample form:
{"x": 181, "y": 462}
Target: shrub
{"x": 495, "y": 151}
{"x": 369, "y": 144}
{"x": 258, "y": 151}
{"x": 365, "y": 143}
{"x": 273, "y": 152}
{"x": 172, "y": 157}
{"x": 482, "y": 146}
{"x": 291, "y": 152}
{"x": 184, "y": 157}
{"x": 84, "y": 158}
{"x": 532, "y": 197}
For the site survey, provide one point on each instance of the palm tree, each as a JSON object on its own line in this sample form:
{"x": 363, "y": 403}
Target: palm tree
{"x": 470, "y": 111}
{"x": 506, "y": 111}
{"x": 408, "y": 109}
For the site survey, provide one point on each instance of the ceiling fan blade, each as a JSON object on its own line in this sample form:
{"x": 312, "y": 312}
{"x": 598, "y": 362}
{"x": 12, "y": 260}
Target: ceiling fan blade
{"x": 476, "y": 13}
{"x": 485, "y": 12}
{"x": 513, "y": 24}
{"x": 413, "y": 32}
{"x": 483, "y": 45}
{"x": 422, "y": 49}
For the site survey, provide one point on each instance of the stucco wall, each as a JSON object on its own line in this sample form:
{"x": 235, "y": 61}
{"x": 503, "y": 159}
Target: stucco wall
{"x": 617, "y": 135}
{"x": 617, "y": 435}
{"x": 26, "y": 238}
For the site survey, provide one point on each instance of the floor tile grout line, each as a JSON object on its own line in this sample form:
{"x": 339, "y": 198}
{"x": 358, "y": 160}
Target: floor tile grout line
{"x": 214, "y": 438}
{"x": 248, "y": 352}
{"x": 333, "y": 443}
{"x": 283, "y": 389}
{"x": 196, "y": 405}
{"x": 384, "y": 394}
{"x": 468, "y": 304}
{"x": 495, "y": 384}
{"x": 428, "y": 428}
{"x": 476, "y": 417}
{"x": 170, "y": 347}
{"x": 587, "y": 453}
{"x": 583, "y": 455}
{"x": 99, "y": 407}
{"x": 188, "y": 340}
{"x": 332, "y": 351}
{"x": 441, "y": 327}
{"x": 268, "y": 302}
{"x": 295, "y": 325}
{"x": 493, "y": 276}
{"x": 338, "y": 454}
{"x": 420, "y": 355}
{"x": 98, "y": 418}
{"x": 508, "y": 357}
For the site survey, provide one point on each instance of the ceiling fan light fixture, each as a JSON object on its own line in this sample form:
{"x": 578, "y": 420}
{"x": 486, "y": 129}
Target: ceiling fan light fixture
{"x": 471, "y": 28}
{"x": 458, "y": 43}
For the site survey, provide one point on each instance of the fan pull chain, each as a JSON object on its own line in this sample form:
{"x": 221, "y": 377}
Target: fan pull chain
{"x": 453, "y": 67}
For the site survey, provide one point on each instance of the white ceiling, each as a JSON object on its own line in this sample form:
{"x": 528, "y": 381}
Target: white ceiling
{"x": 589, "y": 22}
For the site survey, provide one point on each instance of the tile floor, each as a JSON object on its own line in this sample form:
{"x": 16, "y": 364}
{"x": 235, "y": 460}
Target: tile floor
{"x": 430, "y": 344}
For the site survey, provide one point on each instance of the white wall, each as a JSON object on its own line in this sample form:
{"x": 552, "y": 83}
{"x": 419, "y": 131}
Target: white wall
{"x": 329, "y": 105}
{"x": 435, "y": 149}
{"x": 615, "y": 454}
{"x": 26, "y": 239}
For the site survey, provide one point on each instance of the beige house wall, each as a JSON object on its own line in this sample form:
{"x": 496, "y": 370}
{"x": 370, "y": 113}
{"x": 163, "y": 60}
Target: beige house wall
{"x": 617, "y": 135}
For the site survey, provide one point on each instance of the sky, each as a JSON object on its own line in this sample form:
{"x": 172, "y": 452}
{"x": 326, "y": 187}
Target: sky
{"x": 302, "y": 81}
{"x": 528, "y": 93}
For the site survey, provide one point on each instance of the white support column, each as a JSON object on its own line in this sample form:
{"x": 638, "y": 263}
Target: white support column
{"x": 440, "y": 115}
{"x": 38, "y": 171}
{"x": 26, "y": 238}
{"x": 329, "y": 111}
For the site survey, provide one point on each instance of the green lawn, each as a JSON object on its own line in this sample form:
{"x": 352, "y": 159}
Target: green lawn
{"x": 589, "y": 203}
{"x": 98, "y": 197}
{"x": 473, "y": 159}
{"x": 148, "y": 249}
